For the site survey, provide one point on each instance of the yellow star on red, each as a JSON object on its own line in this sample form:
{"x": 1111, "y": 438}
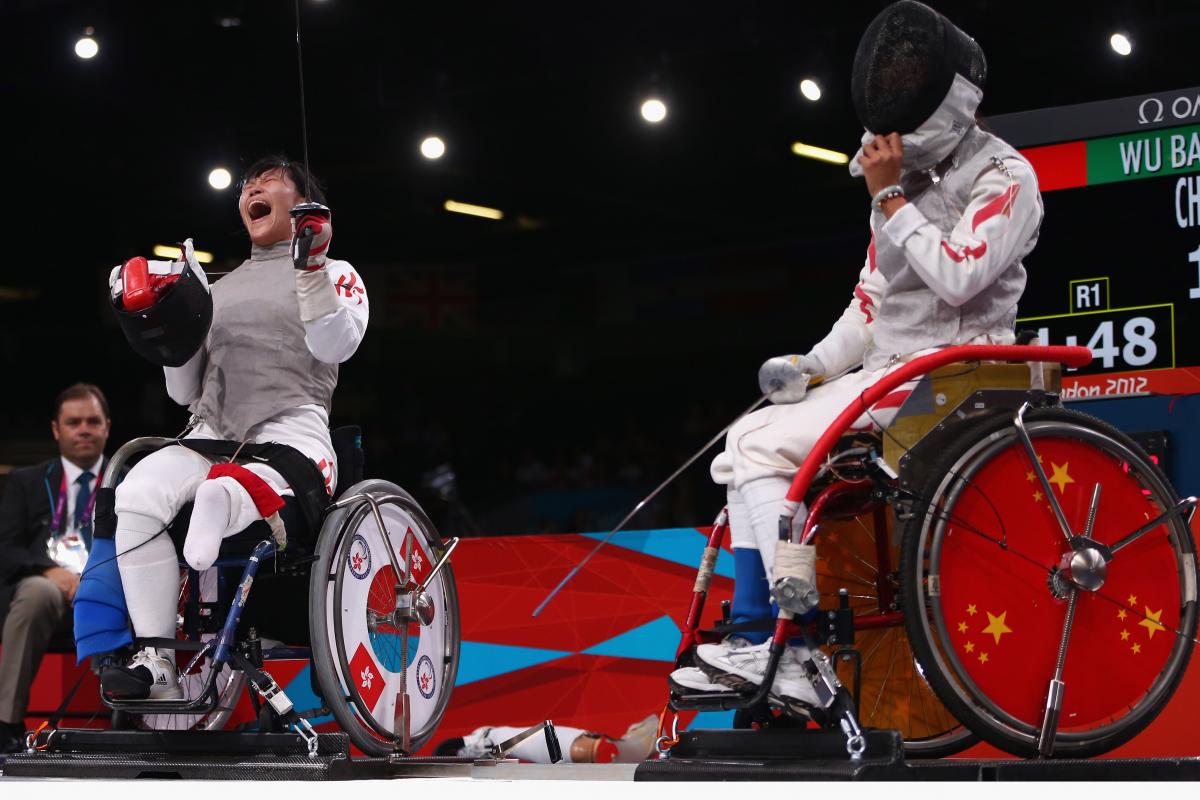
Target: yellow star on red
{"x": 971, "y": 609}
{"x": 1132, "y": 599}
{"x": 1029, "y": 476}
{"x": 969, "y": 647}
{"x": 1037, "y": 497}
{"x": 996, "y": 626}
{"x": 1137, "y": 648}
{"x": 1121, "y": 615}
{"x": 1152, "y": 622}
{"x": 1124, "y": 635}
{"x": 983, "y": 658}
{"x": 1060, "y": 478}
{"x": 962, "y": 627}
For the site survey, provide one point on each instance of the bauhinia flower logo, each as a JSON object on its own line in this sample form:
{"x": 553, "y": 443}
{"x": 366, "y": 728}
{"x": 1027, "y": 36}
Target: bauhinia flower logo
{"x": 367, "y": 678}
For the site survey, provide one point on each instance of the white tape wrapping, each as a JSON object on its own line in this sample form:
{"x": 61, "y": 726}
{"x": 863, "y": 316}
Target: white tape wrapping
{"x": 707, "y": 564}
{"x": 796, "y": 561}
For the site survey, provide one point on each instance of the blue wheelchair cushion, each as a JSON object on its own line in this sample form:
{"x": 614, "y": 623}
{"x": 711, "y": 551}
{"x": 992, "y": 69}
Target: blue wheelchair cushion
{"x": 101, "y": 619}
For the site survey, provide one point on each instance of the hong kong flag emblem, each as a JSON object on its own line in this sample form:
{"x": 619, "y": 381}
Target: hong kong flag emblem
{"x": 420, "y": 559}
{"x": 365, "y": 675}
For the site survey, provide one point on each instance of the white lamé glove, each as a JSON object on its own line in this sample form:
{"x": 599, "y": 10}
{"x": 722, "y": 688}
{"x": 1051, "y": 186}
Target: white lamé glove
{"x": 785, "y": 379}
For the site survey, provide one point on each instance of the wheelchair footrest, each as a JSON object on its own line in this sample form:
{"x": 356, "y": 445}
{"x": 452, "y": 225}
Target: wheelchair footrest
{"x": 708, "y": 701}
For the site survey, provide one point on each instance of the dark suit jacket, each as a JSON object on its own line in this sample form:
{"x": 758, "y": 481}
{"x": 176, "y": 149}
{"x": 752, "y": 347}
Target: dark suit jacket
{"x": 25, "y": 513}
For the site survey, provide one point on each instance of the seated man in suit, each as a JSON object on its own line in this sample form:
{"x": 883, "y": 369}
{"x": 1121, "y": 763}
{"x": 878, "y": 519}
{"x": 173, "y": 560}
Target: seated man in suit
{"x": 45, "y": 534}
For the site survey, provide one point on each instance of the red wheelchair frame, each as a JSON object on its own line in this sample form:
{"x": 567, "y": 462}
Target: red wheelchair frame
{"x": 864, "y": 497}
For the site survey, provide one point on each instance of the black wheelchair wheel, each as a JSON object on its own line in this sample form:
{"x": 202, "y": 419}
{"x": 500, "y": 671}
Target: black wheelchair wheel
{"x": 363, "y": 662}
{"x": 986, "y": 609}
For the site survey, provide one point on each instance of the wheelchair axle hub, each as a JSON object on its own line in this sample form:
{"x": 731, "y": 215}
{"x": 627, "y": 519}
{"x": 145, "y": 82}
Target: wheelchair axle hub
{"x": 1086, "y": 568}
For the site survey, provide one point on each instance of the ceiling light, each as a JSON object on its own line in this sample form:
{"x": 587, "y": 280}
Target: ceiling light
{"x": 819, "y": 153}
{"x": 1120, "y": 42}
{"x": 810, "y": 89}
{"x": 473, "y": 210}
{"x": 174, "y": 253}
{"x": 654, "y": 110}
{"x": 433, "y": 147}
{"x": 86, "y": 47}
{"x": 220, "y": 178}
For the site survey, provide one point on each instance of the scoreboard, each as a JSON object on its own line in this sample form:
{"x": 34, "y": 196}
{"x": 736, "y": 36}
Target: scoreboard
{"x": 1117, "y": 264}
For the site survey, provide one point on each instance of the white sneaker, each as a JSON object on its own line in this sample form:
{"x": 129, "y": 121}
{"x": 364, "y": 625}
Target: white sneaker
{"x": 693, "y": 679}
{"x": 738, "y": 666}
{"x": 147, "y": 676}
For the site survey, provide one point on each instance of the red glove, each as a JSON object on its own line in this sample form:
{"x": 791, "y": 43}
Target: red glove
{"x": 312, "y": 228}
{"x": 141, "y": 287}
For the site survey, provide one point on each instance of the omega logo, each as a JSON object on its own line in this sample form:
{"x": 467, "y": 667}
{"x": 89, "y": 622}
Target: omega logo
{"x": 1153, "y": 110}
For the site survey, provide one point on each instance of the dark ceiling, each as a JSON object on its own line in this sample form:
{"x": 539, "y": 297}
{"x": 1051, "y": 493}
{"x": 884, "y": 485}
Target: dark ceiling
{"x": 537, "y": 101}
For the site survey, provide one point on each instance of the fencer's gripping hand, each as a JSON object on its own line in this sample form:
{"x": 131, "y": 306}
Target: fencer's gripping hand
{"x": 881, "y": 161}
{"x": 785, "y": 379}
{"x": 312, "y": 228}
{"x": 138, "y": 283}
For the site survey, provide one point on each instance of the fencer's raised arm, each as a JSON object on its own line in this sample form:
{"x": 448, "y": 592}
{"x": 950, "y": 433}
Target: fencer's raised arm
{"x": 998, "y": 227}
{"x": 334, "y": 309}
{"x": 843, "y": 347}
{"x": 183, "y": 383}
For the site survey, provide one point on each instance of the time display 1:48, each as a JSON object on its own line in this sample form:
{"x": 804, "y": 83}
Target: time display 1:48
{"x": 1119, "y": 340}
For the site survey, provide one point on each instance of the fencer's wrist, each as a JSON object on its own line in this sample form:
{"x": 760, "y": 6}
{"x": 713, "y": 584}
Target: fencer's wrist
{"x": 888, "y": 193}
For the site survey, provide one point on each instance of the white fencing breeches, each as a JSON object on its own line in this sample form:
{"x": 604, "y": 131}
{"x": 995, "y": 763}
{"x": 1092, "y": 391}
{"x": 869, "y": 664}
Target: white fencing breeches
{"x": 147, "y": 500}
{"x": 764, "y": 450}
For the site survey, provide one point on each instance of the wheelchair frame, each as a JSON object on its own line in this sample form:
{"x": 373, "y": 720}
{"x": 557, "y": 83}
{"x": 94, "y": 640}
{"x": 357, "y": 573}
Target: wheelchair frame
{"x": 413, "y": 604}
{"x": 836, "y": 626}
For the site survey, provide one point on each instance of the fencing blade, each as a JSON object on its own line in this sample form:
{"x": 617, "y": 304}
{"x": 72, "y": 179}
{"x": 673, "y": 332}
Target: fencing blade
{"x": 575, "y": 570}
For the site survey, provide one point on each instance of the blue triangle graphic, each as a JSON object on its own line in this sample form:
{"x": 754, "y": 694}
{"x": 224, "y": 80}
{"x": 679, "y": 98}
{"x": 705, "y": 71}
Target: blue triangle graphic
{"x": 300, "y": 692}
{"x": 678, "y": 545}
{"x": 480, "y": 660}
{"x": 711, "y": 720}
{"x": 656, "y": 640}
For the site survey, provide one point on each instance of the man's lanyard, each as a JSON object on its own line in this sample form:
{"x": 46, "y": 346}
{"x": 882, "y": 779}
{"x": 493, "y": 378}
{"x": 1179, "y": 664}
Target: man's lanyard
{"x": 60, "y": 507}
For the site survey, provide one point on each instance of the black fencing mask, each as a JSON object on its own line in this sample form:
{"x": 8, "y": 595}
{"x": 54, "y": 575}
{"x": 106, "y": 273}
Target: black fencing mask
{"x": 905, "y": 63}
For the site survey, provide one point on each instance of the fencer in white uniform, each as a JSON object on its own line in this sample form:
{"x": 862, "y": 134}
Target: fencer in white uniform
{"x": 265, "y": 373}
{"x": 954, "y": 212}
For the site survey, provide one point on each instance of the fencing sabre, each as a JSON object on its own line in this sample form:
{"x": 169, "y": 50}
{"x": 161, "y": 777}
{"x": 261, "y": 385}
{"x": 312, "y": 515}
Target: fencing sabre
{"x": 302, "y": 243}
{"x": 575, "y": 570}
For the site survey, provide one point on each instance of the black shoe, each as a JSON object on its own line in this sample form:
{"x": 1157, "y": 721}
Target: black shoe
{"x": 148, "y": 675}
{"x": 12, "y": 738}
{"x": 450, "y": 747}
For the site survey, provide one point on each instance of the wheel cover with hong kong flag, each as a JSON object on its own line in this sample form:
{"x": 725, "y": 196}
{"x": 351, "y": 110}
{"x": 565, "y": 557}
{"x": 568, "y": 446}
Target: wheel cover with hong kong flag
{"x": 1000, "y": 625}
{"x": 359, "y": 621}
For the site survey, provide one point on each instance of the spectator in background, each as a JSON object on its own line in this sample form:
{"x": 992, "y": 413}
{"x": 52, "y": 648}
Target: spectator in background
{"x": 45, "y": 535}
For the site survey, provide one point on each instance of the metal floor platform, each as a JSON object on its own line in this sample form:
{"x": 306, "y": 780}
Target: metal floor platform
{"x": 700, "y": 756}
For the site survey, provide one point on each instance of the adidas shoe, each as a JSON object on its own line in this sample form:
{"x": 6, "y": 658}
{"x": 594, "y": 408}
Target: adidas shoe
{"x": 147, "y": 676}
{"x": 743, "y": 666}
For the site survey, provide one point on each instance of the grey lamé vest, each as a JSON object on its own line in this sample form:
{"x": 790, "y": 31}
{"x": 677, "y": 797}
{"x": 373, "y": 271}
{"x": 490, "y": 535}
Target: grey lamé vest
{"x": 256, "y": 362}
{"x": 911, "y": 315}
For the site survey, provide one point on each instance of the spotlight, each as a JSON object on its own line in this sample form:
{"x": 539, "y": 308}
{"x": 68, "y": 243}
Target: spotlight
{"x": 1120, "y": 42}
{"x": 220, "y": 178}
{"x": 819, "y": 153}
{"x": 473, "y": 210}
{"x": 654, "y": 110}
{"x": 810, "y": 89}
{"x": 433, "y": 147}
{"x": 174, "y": 253}
{"x": 86, "y": 48}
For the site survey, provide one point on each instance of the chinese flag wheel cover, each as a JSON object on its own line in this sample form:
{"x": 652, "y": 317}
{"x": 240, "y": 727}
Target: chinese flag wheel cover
{"x": 894, "y": 694}
{"x": 374, "y": 652}
{"x": 1002, "y": 623}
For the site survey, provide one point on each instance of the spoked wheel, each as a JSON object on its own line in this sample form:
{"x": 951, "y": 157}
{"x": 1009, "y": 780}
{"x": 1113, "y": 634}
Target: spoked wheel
{"x": 985, "y": 559}
{"x": 365, "y": 656}
{"x": 894, "y": 694}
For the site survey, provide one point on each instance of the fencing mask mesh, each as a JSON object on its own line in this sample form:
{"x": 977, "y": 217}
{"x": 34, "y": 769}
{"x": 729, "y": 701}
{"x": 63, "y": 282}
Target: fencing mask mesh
{"x": 905, "y": 63}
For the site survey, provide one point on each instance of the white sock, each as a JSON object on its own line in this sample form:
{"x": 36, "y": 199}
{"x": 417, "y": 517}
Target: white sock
{"x": 149, "y": 568}
{"x": 764, "y": 500}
